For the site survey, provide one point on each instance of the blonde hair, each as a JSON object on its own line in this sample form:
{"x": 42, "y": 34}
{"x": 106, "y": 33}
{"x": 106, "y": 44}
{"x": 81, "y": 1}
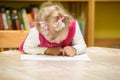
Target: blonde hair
{"x": 54, "y": 10}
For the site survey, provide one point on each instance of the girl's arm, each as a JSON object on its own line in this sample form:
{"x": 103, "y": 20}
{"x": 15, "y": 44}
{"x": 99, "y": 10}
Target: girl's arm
{"x": 78, "y": 40}
{"x": 31, "y": 44}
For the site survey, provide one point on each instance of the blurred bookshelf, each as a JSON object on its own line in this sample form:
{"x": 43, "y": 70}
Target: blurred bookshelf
{"x": 82, "y": 10}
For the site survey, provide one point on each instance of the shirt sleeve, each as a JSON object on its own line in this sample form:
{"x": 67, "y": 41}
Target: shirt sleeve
{"x": 31, "y": 44}
{"x": 78, "y": 41}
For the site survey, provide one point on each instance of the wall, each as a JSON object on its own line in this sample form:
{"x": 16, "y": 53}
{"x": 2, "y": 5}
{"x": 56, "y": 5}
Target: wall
{"x": 107, "y": 20}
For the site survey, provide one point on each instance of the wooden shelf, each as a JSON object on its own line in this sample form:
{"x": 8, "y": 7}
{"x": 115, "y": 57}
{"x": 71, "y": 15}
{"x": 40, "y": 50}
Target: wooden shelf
{"x": 11, "y": 38}
{"x": 51, "y": 0}
{"x": 107, "y": 0}
{"x": 108, "y": 42}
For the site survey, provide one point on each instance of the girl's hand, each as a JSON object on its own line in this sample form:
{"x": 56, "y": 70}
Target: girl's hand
{"x": 69, "y": 51}
{"x": 55, "y": 51}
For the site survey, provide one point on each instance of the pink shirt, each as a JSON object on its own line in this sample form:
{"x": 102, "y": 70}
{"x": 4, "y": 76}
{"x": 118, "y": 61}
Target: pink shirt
{"x": 66, "y": 42}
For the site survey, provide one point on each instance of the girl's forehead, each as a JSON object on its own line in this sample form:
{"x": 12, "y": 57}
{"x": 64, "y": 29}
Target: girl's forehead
{"x": 54, "y": 15}
{"x": 53, "y": 18}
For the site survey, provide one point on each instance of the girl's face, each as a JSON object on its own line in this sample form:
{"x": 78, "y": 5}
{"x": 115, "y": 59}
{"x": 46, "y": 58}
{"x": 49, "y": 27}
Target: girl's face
{"x": 56, "y": 36}
{"x": 59, "y": 36}
{"x": 50, "y": 15}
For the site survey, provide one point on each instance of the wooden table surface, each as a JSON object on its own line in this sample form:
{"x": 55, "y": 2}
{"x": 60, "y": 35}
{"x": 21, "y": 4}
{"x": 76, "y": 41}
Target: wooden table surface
{"x": 105, "y": 65}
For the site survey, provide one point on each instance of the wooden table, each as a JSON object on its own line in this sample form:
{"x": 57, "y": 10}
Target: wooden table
{"x": 105, "y": 65}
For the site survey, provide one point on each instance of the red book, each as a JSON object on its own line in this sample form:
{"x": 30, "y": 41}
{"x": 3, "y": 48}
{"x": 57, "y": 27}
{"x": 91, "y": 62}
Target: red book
{"x": 1, "y": 22}
{"x": 2, "y": 11}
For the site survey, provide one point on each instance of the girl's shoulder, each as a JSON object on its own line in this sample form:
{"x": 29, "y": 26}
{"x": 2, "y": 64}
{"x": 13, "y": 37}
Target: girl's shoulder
{"x": 34, "y": 29}
{"x": 72, "y": 22}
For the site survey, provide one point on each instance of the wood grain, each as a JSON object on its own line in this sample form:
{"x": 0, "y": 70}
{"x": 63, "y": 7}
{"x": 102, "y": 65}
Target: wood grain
{"x": 11, "y": 39}
{"x": 104, "y": 66}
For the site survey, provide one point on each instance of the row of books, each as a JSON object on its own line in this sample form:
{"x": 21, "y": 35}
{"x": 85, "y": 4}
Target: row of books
{"x": 6, "y": 49}
{"x": 17, "y": 19}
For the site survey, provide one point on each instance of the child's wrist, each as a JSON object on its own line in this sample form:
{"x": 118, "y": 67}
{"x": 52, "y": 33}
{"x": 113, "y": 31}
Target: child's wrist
{"x": 53, "y": 51}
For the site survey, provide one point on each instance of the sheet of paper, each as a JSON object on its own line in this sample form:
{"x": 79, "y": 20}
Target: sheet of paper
{"x": 47, "y": 57}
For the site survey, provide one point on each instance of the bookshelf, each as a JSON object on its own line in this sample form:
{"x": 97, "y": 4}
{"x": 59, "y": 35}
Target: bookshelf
{"x": 73, "y": 6}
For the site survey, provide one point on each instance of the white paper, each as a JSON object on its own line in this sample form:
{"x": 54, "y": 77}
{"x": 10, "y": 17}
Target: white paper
{"x": 47, "y": 57}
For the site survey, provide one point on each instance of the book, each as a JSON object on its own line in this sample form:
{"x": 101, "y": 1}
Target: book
{"x": 30, "y": 17}
{"x": 1, "y": 21}
{"x": 25, "y": 19}
{"x": 21, "y": 19}
{"x": 4, "y": 18}
{"x": 13, "y": 20}
{"x": 9, "y": 19}
{"x": 16, "y": 22}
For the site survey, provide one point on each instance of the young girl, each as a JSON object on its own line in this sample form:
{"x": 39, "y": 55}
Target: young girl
{"x": 56, "y": 33}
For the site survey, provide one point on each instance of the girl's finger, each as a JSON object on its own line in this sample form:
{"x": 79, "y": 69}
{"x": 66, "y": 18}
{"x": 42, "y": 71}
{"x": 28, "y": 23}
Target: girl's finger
{"x": 63, "y": 52}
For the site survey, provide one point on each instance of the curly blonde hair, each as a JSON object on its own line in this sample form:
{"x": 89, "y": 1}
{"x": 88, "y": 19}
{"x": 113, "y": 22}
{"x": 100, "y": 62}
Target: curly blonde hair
{"x": 50, "y": 10}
